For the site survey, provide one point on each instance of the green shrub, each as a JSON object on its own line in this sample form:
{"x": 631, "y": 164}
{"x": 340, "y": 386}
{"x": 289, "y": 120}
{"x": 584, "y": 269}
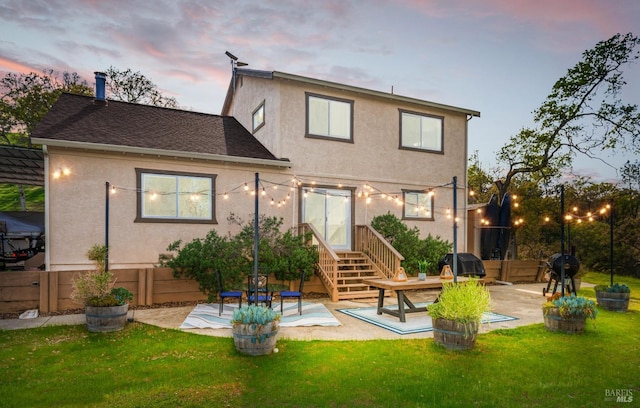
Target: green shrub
{"x": 254, "y": 315}
{"x": 463, "y": 302}
{"x": 407, "y": 241}
{"x": 285, "y": 255}
{"x": 95, "y": 288}
{"x": 615, "y": 288}
{"x": 571, "y": 306}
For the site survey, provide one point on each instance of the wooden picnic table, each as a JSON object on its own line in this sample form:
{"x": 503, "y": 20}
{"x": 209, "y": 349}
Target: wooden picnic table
{"x": 432, "y": 282}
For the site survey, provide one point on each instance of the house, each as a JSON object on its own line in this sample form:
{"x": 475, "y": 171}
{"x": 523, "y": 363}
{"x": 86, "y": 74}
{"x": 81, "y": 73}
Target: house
{"x": 324, "y": 155}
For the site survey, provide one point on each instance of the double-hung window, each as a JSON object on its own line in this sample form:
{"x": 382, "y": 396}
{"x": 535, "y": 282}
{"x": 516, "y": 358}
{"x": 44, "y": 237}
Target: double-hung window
{"x": 329, "y": 118}
{"x": 178, "y": 197}
{"x": 421, "y": 132}
{"x": 418, "y": 205}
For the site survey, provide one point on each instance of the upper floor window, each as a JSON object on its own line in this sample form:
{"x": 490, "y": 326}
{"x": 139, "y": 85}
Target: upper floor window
{"x": 175, "y": 197}
{"x": 258, "y": 117}
{"x": 422, "y": 132}
{"x": 418, "y": 205}
{"x": 329, "y": 117}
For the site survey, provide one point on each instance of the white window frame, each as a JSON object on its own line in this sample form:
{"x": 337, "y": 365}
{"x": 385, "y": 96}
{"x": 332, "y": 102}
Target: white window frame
{"x": 430, "y": 132}
{"x": 203, "y": 200}
{"x": 335, "y": 112}
{"x": 418, "y": 205}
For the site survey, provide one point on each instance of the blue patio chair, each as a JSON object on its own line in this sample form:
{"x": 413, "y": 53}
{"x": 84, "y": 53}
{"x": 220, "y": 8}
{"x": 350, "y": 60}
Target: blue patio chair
{"x": 264, "y": 295}
{"x": 293, "y": 294}
{"x": 229, "y": 294}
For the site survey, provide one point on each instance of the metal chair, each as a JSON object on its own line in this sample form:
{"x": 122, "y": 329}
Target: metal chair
{"x": 229, "y": 294}
{"x": 293, "y": 294}
{"x": 264, "y": 295}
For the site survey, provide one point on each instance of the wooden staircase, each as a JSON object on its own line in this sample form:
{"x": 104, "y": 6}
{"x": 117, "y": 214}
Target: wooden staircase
{"x": 353, "y": 267}
{"x": 342, "y": 272}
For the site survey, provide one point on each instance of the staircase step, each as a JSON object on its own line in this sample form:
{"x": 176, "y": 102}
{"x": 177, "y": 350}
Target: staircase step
{"x": 353, "y": 267}
{"x": 373, "y": 294}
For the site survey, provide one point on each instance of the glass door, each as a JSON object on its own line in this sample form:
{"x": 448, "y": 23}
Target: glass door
{"x": 329, "y": 211}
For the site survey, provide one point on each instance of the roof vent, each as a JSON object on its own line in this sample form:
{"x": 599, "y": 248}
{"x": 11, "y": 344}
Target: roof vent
{"x": 101, "y": 79}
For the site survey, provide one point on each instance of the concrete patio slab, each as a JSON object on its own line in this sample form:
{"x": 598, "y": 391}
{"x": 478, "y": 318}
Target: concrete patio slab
{"x": 522, "y": 301}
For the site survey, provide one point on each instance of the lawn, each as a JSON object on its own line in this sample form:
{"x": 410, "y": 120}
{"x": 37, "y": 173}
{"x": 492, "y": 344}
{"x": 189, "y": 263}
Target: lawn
{"x": 149, "y": 366}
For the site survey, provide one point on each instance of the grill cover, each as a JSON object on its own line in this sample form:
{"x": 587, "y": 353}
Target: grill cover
{"x": 571, "y": 264}
{"x": 468, "y": 264}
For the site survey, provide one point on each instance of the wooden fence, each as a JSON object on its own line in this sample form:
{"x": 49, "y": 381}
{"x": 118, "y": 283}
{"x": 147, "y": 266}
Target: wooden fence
{"x": 50, "y": 291}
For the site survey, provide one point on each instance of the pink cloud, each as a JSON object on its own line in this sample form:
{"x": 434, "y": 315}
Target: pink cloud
{"x": 549, "y": 18}
{"x": 16, "y": 67}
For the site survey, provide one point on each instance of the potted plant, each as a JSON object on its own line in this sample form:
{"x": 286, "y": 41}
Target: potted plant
{"x": 106, "y": 306}
{"x": 423, "y": 267}
{"x": 569, "y": 313}
{"x": 255, "y": 329}
{"x": 457, "y": 312}
{"x": 613, "y": 297}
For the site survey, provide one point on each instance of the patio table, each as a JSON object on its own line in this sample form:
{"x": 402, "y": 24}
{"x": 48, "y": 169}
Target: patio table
{"x": 432, "y": 282}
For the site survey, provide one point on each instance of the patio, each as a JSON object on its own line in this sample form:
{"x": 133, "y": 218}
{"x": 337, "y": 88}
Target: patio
{"x": 522, "y": 301}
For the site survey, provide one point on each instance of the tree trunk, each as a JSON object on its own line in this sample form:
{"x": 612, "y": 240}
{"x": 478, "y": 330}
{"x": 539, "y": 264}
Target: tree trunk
{"x": 23, "y": 200}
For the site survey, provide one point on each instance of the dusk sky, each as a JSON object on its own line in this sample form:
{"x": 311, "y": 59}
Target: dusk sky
{"x": 499, "y": 57}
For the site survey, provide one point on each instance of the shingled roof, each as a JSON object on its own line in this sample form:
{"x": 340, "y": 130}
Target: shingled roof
{"x": 78, "y": 121}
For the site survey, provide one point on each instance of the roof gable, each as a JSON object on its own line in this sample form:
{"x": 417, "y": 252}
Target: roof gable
{"x": 79, "y": 121}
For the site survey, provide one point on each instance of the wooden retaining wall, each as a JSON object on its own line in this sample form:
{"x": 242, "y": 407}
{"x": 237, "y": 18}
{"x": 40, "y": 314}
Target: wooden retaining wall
{"x": 51, "y": 291}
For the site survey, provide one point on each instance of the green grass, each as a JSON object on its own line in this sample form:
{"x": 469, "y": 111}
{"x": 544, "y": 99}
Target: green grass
{"x": 10, "y": 198}
{"x": 149, "y": 366}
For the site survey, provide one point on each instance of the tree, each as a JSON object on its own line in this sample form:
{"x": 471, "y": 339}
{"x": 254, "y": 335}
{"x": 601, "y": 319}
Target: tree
{"x": 480, "y": 181}
{"x": 583, "y": 114}
{"x": 26, "y": 98}
{"x": 129, "y": 86}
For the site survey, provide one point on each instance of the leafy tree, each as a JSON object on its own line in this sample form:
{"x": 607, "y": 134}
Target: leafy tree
{"x": 407, "y": 241}
{"x": 583, "y": 114}
{"x": 26, "y": 98}
{"x": 129, "y": 86}
{"x": 631, "y": 174}
{"x": 480, "y": 181}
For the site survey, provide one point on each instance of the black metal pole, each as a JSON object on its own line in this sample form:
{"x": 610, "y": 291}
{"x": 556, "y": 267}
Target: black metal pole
{"x": 562, "y": 272}
{"x": 256, "y": 240}
{"x": 455, "y": 229}
{"x": 611, "y": 240}
{"x": 106, "y": 228}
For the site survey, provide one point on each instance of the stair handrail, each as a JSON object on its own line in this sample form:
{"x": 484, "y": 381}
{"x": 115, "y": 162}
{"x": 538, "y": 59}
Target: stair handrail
{"x": 378, "y": 249}
{"x": 327, "y": 260}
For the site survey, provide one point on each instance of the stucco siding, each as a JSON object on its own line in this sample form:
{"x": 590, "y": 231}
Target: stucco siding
{"x": 77, "y": 207}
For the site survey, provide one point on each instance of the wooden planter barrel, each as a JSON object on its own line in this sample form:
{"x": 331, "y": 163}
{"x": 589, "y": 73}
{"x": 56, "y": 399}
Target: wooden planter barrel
{"x": 454, "y": 335}
{"x": 255, "y": 339}
{"x": 554, "y": 322}
{"x": 617, "y": 302}
{"x": 106, "y": 318}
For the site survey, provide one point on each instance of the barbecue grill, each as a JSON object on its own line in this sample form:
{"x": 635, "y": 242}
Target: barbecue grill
{"x": 468, "y": 264}
{"x": 554, "y": 266}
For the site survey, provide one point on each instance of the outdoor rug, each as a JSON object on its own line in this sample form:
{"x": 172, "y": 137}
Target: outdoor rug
{"x": 205, "y": 316}
{"x": 416, "y": 322}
